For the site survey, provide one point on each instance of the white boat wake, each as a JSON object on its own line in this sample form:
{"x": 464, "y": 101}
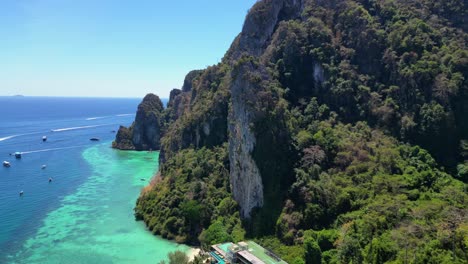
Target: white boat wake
{"x": 51, "y": 149}
{"x": 94, "y": 118}
{"x": 75, "y": 128}
{"x": 18, "y": 135}
{"x": 6, "y": 138}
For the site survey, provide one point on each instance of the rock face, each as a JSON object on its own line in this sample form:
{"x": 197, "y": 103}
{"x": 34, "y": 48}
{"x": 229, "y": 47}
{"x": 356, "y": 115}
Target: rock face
{"x": 245, "y": 177}
{"x": 145, "y": 133}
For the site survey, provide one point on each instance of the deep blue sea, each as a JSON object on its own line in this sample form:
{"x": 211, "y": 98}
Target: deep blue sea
{"x": 42, "y": 226}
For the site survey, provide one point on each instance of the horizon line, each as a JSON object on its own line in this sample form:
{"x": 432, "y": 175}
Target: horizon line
{"x": 79, "y": 96}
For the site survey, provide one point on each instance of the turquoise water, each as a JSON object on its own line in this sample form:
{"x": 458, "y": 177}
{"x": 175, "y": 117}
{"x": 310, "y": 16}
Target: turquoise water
{"x": 85, "y": 215}
{"x": 95, "y": 224}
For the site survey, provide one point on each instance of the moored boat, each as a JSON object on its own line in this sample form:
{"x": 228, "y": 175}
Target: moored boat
{"x": 94, "y": 139}
{"x": 44, "y": 139}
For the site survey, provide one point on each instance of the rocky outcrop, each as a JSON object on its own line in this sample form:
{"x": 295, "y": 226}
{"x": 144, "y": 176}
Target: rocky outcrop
{"x": 260, "y": 24}
{"x": 189, "y": 78}
{"x": 146, "y": 131}
{"x": 198, "y": 114}
{"x": 179, "y": 99}
{"x": 123, "y": 139}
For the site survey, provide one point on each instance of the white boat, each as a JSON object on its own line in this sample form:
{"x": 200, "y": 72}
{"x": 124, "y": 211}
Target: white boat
{"x": 44, "y": 139}
{"x": 6, "y": 164}
{"x": 18, "y": 155}
{"x": 43, "y": 166}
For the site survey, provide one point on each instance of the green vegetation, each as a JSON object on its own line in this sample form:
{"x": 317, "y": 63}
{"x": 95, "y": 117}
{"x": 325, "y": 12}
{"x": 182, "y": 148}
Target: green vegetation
{"x": 179, "y": 257}
{"x": 371, "y": 199}
{"x": 359, "y": 111}
{"x": 193, "y": 196}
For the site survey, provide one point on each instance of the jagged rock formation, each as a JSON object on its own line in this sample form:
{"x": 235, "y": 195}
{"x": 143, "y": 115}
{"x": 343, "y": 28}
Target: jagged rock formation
{"x": 179, "y": 99}
{"x": 260, "y": 24}
{"x": 145, "y": 133}
{"x": 197, "y": 119}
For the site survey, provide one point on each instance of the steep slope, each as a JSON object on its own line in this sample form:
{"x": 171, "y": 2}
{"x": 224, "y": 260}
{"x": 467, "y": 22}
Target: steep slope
{"x": 307, "y": 131}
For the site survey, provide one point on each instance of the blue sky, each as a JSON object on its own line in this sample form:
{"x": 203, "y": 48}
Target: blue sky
{"x": 111, "y": 48}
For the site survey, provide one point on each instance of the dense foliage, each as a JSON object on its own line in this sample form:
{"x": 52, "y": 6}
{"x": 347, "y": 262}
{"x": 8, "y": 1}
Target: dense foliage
{"x": 180, "y": 257}
{"x": 363, "y": 197}
{"x": 360, "y": 117}
{"x": 192, "y": 196}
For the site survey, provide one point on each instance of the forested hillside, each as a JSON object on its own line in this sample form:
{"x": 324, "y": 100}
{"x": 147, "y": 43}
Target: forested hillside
{"x": 332, "y": 132}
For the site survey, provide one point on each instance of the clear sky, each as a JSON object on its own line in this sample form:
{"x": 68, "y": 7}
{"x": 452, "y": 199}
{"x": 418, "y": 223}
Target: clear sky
{"x": 111, "y": 48}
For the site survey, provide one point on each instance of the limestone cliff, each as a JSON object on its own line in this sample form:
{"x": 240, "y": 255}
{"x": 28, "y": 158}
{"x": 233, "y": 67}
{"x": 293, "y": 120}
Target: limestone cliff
{"x": 222, "y": 103}
{"x": 247, "y": 108}
{"x": 247, "y": 187}
{"x": 145, "y": 133}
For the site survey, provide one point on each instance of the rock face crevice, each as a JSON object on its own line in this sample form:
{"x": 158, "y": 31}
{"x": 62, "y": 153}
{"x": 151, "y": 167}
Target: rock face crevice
{"x": 145, "y": 133}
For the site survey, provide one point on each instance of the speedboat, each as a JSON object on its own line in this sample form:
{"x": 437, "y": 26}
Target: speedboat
{"x": 44, "y": 139}
{"x": 18, "y": 155}
{"x": 43, "y": 166}
{"x": 94, "y": 139}
{"x": 6, "y": 164}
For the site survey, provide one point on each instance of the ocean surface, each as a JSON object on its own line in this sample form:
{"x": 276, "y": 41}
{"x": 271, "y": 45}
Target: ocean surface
{"x": 85, "y": 215}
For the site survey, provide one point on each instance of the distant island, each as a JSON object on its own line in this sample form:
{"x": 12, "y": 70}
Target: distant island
{"x": 18, "y": 95}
